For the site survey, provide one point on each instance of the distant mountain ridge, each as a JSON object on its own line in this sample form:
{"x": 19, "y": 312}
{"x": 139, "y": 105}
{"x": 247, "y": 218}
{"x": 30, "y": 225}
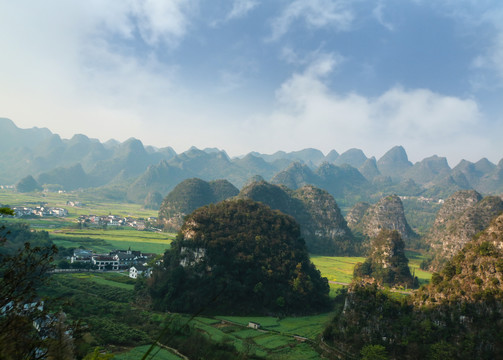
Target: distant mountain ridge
{"x": 134, "y": 170}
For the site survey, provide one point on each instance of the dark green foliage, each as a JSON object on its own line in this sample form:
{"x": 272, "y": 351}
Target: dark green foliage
{"x": 6, "y": 211}
{"x": 387, "y": 263}
{"x": 105, "y": 312}
{"x": 189, "y": 195}
{"x": 371, "y": 316}
{"x": 240, "y": 257}
{"x": 15, "y": 235}
{"x": 457, "y": 316}
{"x": 23, "y": 270}
{"x": 374, "y": 352}
{"x": 28, "y": 184}
{"x": 322, "y": 225}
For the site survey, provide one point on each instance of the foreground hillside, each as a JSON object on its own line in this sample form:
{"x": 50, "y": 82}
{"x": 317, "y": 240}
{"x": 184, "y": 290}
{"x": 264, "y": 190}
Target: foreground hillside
{"x": 458, "y": 316}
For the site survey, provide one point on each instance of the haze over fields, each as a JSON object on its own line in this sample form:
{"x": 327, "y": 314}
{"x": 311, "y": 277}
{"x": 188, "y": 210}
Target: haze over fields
{"x": 256, "y": 75}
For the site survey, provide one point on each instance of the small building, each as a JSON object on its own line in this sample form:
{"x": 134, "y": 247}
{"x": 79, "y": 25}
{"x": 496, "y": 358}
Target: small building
{"x": 82, "y": 256}
{"x": 254, "y": 325}
{"x": 105, "y": 262}
{"x": 138, "y": 270}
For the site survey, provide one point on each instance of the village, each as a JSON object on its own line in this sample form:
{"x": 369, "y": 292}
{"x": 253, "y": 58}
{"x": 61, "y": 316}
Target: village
{"x": 90, "y": 220}
{"x": 115, "y": 220}
{"x": 133, "y": 261}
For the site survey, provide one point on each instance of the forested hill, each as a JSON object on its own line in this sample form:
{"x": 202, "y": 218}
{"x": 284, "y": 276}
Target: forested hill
{"x": 459, "y": 315}
{"x": 247, "y": 257}
{"x": 189, "y": 195}
{"x": 322, "y": 225}
{"x": 131, "y": 171}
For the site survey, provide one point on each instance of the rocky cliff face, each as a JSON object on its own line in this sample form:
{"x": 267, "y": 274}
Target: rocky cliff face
{"x": 325, "y": 224}
{"x": 355, "y": 215}
{"x": 462, "y": 216}
{"x": 386, "y": 214}
{"x": 473, "y": 275}
{"x": 322, "y": 225}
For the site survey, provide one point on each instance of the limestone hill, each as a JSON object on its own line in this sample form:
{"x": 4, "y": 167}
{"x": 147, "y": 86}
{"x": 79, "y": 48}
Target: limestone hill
{"x": 461, "y": 217}
{"x": 322, "y": 225}
{"x": 459, "y": 315}
{"x": 189, "y": 195}
{"x": 239, "y": 257}
{"x": 387, "y": 213}
{"x": 387, "y": 263}
{"x": 474, "y": 274}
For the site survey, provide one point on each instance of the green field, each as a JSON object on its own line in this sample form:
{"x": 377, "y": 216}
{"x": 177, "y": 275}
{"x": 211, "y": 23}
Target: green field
{"x": 119, "y": 280}
{"x": 306, "y": 326}
{"x": 101, "y": 240}
{"x": 338, "y": 269}
{"x": 275, "y": 339}
{"x": 415, "y": 259}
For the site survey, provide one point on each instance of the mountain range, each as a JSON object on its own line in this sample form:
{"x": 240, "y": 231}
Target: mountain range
{"x": 134, "y": 170}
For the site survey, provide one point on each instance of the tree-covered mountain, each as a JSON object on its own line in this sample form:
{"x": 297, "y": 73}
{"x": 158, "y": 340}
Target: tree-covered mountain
{"x": 386, "y": 263}
{"x": 457, "y": 316}
{"x": 321, "y": 223}
{"x": 239, "y": 257}
{"x": 189, "y": 195}
{"x": 461, "y": 217}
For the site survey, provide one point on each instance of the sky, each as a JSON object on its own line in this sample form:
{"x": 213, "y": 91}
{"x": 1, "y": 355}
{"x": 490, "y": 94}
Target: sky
{"x": 260, "y": 75}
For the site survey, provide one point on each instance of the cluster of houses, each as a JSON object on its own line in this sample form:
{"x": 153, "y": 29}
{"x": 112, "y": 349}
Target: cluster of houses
{"x": 423, "y": 199}
{"x": 134, "y": 261}
{"x": 115, "y": 220}
{"x": 42, "y": 211}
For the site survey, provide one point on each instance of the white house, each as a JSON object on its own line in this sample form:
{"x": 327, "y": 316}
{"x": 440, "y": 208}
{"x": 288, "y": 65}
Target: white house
{"x": 136, "y": 270}
{"x": 103, "y": 262}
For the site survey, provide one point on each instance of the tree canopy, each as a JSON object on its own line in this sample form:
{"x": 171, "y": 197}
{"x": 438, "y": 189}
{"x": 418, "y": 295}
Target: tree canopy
{"x": 239, "y": 257}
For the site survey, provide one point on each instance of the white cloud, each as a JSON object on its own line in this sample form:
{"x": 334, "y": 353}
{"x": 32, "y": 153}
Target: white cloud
{"x": 425, "y": 122}
{"x": 161, "y": 21}
{"x": 378, "y": 13}
{"x": 65, "y": 70}
{"x": 240, "y": 8}
{"x": 316, "y": 14}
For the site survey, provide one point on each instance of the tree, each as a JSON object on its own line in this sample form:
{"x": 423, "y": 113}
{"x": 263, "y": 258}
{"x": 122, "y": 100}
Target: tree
{"x": 374, "y": 352}
{"x": 24, "y": 317}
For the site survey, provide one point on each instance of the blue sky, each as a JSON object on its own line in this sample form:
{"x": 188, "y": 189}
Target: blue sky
{"x": 256, "y": 75}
